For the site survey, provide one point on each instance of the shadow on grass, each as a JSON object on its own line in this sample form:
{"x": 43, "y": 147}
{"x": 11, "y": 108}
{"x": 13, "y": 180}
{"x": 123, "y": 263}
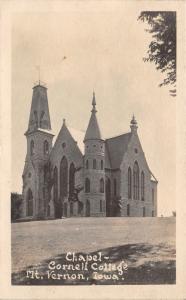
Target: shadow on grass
{"x": 147, "y": 264}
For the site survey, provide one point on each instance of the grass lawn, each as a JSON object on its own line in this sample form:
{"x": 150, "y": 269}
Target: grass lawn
{"x": 146, "y": 245}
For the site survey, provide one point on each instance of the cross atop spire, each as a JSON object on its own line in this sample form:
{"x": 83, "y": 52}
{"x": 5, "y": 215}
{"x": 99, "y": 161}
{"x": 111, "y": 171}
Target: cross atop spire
{"x": 133, "y": 124}
{"x": 94, "y": 103}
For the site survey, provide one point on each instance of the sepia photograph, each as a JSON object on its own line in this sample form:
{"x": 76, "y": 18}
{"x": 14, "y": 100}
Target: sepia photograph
{"x": 93, "y": 195}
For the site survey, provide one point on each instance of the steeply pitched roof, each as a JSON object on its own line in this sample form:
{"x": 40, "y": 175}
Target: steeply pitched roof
{"x": 93, "y": 131}
{"x": 69, "y": 132}
{"x": 116, "y": 147}
{"x": 78, "y": 136}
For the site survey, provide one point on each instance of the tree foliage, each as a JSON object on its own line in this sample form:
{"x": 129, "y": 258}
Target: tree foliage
{"x": 162, "y": 48}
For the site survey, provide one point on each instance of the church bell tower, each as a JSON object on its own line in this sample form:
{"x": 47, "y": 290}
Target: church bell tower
{"x": 94, "y": 167}
{"x": 39, "y": 145}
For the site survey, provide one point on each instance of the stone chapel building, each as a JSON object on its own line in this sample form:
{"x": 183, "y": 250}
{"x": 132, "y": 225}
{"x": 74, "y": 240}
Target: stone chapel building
{"x": 84, "y": 175}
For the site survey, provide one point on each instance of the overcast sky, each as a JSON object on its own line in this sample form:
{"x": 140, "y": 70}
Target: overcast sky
{"x": 104, "y": 50}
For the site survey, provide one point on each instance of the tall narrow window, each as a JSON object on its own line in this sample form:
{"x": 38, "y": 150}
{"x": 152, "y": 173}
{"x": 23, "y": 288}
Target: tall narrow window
{"x": 108, "y": 197}
{"x": 45, "y": 147}
{"x": 32, "y": 147}
{"x": 29, "y": 208}
{"x": 152, "y": 196}
{"x": 71, "y": 179}
{"x": 128, "y": 210}
{"x": 136, "y": 181}
{"x": 65, "y": 209}
{"x": 87, "y": 164}
{"x": 71, "y": 209}
{"x": 45, "y": 173}
{"x": 63, "y": 177}
{"x": 144, "y": 212}
{"x": 101, "y": 164}
{"x": 129, "y": 183}
{"x": 94, "y": 163}
{"x": 101, "y": 206}
{"x": 87, "y": 208}
{"x": 152, "y": 213}
{"x": 142, "y": 186}
{"x": 101, "y": 185}
{"x": 55, "y": 190}
{"x": 115, "y": 187}
{"x": 87, "y": 185}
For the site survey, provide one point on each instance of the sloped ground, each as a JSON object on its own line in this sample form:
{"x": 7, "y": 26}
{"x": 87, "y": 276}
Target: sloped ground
{"x": 145, "y": 245}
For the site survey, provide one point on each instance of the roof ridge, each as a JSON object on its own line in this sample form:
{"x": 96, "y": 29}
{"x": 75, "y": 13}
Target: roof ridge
{"x": 113, "y": 137}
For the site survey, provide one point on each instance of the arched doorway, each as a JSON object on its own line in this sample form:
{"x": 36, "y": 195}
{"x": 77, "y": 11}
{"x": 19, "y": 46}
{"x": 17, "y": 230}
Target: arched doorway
{"x": 87, "y": 208}
{"x": 65, "y": 209}
{"x": 57, "y": 202}
{"x": 108, "y": 198}
{"x": 63, "y": 181}
{"x": 29, "y": 204}
{"x": 71, "y": 180}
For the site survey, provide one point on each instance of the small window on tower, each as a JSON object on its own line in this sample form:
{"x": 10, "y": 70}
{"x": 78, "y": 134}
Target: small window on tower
{"x": 29, "y": 174}
{"x": 32, "y": 147}
{"x": 63, "y": 145}
{"x": 94, "y": 163}
{"x": 136, "y": 150}
{"x": 46, "y": 147}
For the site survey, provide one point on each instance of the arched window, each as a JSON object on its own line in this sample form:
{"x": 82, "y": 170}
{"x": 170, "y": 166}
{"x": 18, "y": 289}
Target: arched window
{"x": 128, "y": 210}
{"x": 94, "y": 163}
{"x": 80, "y": 207}
{"x": 136, "y": 181}
{"x": 87, "y": 164}
{"x": 55, "y": 189}
{"x": 48, "y": 210}
{"x": 32, "y": 147}
{"x": 71, "y": 179}
{"x": 63, "y": 177}
{"x": 65, "y": 209}
{"x": 87, "y": 208}
{"x": 45, "y": 173}
{"x": 129, "y": 183}
{"x": 152, "y": 196}
{"x": 87, "y": 185}
{"x": 101, "y": 206}
{"x": 144, "y": 212}
{"x": 101, "y": 164}
{"x": 71, "y": 209}
{"x": 115, "y": 187}
{"x": 142, "y": 186}
{"x": 101, "y": 187}
{"x": 29, "y": 203}
{"x": 108, "y": 197}
{"x": 46, "y": 147}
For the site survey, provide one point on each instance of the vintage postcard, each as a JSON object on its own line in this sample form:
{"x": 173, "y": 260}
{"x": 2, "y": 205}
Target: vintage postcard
{"x": 92, "y": 149}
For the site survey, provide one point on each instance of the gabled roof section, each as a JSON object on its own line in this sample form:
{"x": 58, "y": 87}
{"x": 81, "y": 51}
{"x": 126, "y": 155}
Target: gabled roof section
{"x": 68, "y": 132}
{"x": 116, "y": 148}
{"x": 78, "y": 136}
{"x": 93, "y": 131}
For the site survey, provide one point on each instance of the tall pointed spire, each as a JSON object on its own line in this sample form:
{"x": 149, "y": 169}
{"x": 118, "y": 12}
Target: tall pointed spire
{"x": 94, "y": 103}
{"x": 39, "y": 113}
{"x": 93, "y": 131}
